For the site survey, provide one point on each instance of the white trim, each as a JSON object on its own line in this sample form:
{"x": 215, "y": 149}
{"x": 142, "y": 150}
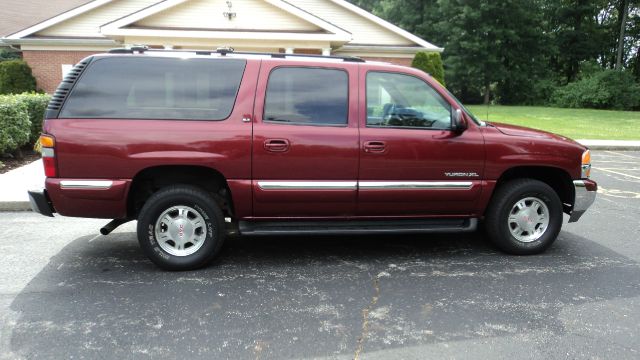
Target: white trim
{"x": 200, "y": 34}
{"x": 415, "y": 185}
{"x": 116, "y": 27}
{"x": 86, "y": 184}
{"x": 58, "y": 19}
{"x": 387, "y": 25}
{"x": 308, "y": 185}
{"x": 365, "y": 185}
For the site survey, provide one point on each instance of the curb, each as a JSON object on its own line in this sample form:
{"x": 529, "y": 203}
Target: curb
{"x": 613, "y": 147}
{"x": 15, "y": 206}
{"x": 620, "y": 145}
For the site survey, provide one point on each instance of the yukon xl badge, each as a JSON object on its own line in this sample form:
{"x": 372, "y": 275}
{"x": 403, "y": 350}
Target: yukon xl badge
{"x": 461, "y": 174}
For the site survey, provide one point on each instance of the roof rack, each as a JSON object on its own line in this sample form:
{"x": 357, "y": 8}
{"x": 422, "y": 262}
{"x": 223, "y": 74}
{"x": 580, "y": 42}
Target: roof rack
{"x": 224, "y": 51}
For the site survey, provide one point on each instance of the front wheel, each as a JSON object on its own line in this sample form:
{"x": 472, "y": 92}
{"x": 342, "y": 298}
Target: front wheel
{"x": 181, "y": 228}
{"x": 524, "y": 217}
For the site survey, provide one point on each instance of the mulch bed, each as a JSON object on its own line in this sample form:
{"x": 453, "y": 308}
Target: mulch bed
{"x": 8, "y": 163}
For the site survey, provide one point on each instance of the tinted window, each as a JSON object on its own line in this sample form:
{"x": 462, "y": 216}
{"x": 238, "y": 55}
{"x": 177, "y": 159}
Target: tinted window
{"x": 156, "y": 88}
{"x": 307, "y": 96}
{"x": 404, "y": 101}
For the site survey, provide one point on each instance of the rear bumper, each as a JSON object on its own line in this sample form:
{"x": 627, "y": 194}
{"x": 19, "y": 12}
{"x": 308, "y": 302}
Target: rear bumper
{"x": 585, "y": 191}
{"x": 90, "y": 198}
{"x": 40, "y": 202}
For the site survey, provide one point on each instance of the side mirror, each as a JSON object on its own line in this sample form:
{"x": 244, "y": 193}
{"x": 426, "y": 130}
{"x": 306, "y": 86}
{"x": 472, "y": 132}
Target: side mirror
{"x": 458, "y": 123}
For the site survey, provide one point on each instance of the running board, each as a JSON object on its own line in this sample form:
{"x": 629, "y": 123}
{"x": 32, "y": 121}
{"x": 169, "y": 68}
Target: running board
{"x": 357, "y": 227}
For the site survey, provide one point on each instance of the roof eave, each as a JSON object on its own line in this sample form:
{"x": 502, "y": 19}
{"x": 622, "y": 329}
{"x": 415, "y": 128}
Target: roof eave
{"x": 389, "y": 48}
{"x": 59, "y": 42}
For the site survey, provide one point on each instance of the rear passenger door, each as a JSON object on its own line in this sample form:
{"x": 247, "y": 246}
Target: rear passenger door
{"x": 305, "y": 140}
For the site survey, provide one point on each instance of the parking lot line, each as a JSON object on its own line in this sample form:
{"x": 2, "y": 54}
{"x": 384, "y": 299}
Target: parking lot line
{"x": 621, "y": 154}
{"x": 617, "y": 172}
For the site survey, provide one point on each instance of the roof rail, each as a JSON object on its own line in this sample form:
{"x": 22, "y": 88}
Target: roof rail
{"x": 225, "y": 51}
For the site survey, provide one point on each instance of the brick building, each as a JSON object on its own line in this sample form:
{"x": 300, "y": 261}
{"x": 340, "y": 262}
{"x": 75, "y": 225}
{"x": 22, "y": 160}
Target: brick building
{"x": 54, "y": 35}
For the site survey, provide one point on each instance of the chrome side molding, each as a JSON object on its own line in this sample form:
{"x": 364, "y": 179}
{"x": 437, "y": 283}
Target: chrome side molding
{"x": 308, "y": 185}
{"x": 365, "y": 185}
{"x": 417, "y": 185}
{"x": 86, "y": 184}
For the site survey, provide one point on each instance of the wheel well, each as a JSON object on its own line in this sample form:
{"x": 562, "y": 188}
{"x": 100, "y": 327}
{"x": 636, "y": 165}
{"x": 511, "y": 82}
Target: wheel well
{"x": 558, "y": 179}
{"x": 150, "y": 180}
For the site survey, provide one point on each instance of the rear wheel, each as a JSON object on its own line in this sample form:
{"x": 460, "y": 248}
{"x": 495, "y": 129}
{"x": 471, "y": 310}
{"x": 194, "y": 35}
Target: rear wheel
{"x": 524, "y": 217}
{"x": 181, "y": 228}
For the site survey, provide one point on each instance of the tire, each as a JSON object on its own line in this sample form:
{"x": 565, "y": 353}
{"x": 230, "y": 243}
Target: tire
{"x": 181, "y": 227}
{"x": 515, "y": 219}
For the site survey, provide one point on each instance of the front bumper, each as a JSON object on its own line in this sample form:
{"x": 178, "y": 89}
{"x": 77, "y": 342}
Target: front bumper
{"x": 40, "y": 202}
{"x": 585, "y": 191}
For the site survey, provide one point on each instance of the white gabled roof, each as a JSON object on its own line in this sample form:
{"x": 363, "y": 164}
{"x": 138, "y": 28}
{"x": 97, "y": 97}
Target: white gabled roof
{"x": 118, "y": 27}
{"x": 58, "y": 19}
{"x": 336, "y": 21}
{"x": 387, "y": 25}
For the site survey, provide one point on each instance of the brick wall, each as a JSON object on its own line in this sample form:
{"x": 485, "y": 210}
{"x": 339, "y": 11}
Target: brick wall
{"x": 395, "y": 61}
{"x": 47, "y": 65}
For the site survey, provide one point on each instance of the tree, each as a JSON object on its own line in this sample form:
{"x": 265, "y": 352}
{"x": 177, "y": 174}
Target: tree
{"x": 431, "y": 63}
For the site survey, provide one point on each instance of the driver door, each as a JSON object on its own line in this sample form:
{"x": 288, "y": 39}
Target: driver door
{"x": 411, "y": 163}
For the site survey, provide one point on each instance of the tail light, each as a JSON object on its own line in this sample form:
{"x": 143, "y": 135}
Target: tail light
{"x": 48, "y": 145}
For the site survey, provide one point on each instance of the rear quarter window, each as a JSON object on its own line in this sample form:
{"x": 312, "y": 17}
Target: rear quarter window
{"x": 156, "y": 88}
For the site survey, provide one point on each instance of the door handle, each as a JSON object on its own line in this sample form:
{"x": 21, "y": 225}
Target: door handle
{"x": 374, "y": 146}
{"x": 276, "y": 145}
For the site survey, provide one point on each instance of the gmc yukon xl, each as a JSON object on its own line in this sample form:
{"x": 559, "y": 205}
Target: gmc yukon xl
{"x": 196, "y": 144}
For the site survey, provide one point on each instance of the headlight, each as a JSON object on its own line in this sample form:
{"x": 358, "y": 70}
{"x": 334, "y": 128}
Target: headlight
{"x": 586, "y": 164}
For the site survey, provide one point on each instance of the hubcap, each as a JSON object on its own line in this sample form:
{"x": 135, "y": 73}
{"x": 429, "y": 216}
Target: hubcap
{"x": 180, "y": 230}
{"x": 528, "y": 219}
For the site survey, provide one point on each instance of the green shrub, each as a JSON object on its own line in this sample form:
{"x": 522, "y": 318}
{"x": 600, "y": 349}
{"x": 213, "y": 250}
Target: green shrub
{"x": 607, "y": 89}
{"x": 15, "y": 127}
{"x": 36, "y": 105}
{"x": 431, "y": 63}
{"x": 15, "y": 77}
{"x": 6, "y": 54}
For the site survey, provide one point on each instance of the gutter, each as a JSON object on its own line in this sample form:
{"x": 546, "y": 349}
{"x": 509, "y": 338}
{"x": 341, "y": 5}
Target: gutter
{"x": 60, "y": 42}
{"x": 389, "y": 49}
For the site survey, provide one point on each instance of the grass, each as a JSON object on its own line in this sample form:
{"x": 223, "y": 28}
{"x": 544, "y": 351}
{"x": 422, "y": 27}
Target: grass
{"x": 573, "y": 123}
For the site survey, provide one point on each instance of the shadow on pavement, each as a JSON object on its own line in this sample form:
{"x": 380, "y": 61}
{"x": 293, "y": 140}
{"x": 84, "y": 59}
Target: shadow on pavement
{"x": 304, "y": 297}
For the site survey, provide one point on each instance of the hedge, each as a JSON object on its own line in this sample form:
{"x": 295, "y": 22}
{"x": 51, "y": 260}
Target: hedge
{"x": 607, "y": 89}
{"x": 36, "y": 105}
{"x": 16, "y": 77}
{"x": 15, "y": 127}
{"x": 21, "y": 120}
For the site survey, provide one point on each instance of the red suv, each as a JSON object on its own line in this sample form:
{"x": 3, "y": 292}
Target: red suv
{"x": 196, "y": 144}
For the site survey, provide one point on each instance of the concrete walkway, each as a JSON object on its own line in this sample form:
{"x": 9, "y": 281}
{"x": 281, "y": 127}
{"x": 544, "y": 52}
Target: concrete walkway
{"x": 15, "y": 183}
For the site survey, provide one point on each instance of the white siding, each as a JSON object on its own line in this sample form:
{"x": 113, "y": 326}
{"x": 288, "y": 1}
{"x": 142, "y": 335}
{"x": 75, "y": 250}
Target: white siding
{"x": 208, "y": 14}
{"x": 88, "y": 24}
{"x": 364, "y": 31}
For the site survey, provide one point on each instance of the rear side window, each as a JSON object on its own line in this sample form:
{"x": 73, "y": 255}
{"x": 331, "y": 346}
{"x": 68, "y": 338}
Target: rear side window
{"x": 307, "y": 96}
{"x": 156, "y": 88}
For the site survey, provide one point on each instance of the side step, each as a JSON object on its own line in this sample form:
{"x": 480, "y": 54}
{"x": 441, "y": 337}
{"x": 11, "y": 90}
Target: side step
{"x": 357, "y": 227}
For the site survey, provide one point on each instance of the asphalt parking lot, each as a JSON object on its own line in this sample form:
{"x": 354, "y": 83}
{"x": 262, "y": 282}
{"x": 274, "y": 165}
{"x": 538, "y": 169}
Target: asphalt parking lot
{"x": 68, "y": 292}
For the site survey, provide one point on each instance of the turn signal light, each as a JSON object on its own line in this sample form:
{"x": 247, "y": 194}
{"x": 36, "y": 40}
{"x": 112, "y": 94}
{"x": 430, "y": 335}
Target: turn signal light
{"x": 48, "y": 143}
{"x": 586, "y": 164}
